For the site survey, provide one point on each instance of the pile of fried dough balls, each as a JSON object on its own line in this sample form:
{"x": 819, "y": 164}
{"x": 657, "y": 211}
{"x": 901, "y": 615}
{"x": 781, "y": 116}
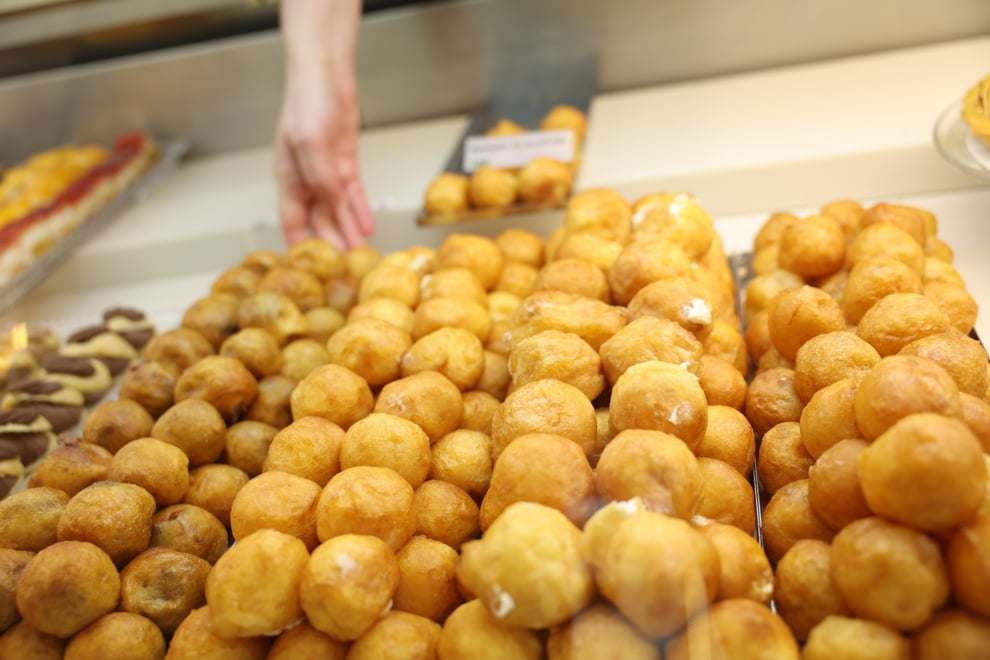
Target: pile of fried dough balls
{"x": 871, "y": 398}
{"x": 542, "y": 180}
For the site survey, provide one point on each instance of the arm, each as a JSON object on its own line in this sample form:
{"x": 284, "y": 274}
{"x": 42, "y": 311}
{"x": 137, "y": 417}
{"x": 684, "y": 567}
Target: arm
{"x": 316, "y": 141}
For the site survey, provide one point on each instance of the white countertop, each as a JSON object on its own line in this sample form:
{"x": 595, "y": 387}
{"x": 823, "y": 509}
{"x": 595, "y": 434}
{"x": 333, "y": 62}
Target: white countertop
{"x": 746, "y": 145}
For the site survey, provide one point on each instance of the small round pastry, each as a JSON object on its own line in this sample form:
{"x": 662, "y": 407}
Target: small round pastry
{"x": 529, "y": 569}
{"x": 309, "y": 447}
{"x": 771, "y": 399}
{"x": 937, "y": 270}
{"x": 782, "y": 457}
{"x": 386, "y": 309}
{"x": 873, "y": 279}
{"x": 22, "y": 640}
{"x": 195, "y": 638}
{"x": 385, "y": 440}
{"x": 655, "y": 467}
{"x": 447, "y": 193}
{"x": 415, "y": 635}
{"x": 491, "y": 188}
{"x": 834, "y": 490}
{"x": 520, "y": 245}
{"x": 814, "y": 246}
{"x": 178, "y": 348}
{"x": 889, "y": 573}
{"x": 427, "y": 579}
{"x": 678, "y": 299}
{"x": 191, "y": 529}
{"x": 163, "y": 585}
{"x": 600, "y": 631}
{"x": 72, "y": 466}
{"x": 131, "y": 324}
{"x": 479, "y": 408}
{"x": 907, "y": 218}
{"x": 342, "y": 292}
{"x": 803, "y": 590}
{"x": 471, "y": 627}
{"x": 213, "y": 487}
{"x": 272, "y": 404}
{"x": 729, "y": 438}
{"x": 257, "y": 350}
{"x": 575, "y": 276}
{"x": 160, "y": 468}
{"x": 261, "y": 261}
{"x": 463, "y": 458}
{"x": 479, "y": 254}
{"x": 646, "y": 339}
{"x": 242, "y": 605}
{"x": 952, "y": 633}
{"x": 963, "y": 357}
{"x": 149, "y": 384}
{"x": 899, "y": 319}
{"x": 830, "y": 416}
{"x": 214, "y": 317}
{"x": 661, "y": 396}
{"x": 886, "y": 240}
{"x": 374, "y": 501}
{"x": 224, "y": 382}
{"x": 347, "y": 584}
{"x": 113, "y": 424}
{"x": 118, "y": 635}
{"x": 797, "y": 316}
{"x": 505, "y": 126}
{"x": 240, "y": 281}
{"x": 88, "y": 375}
{"x": 545, "y": 406}
{"x": 773, "y": 229}
{"x": 445, "y": 513}
{"x": 677, "y": 218}
{"x": 737, "y": 628}
{"x": 62, "y": 406}
{"x": 745, "y": 571}
{"x": 590, "y": 319}
{"x": 856, "y": 639}
{"x": 589, "y": 247}
{"x": 428, "y": 398}
{"x": 196, "y": 427}
{"x": 390, "y": 281}
{"x": 453, "y": 282}
{"x": 247, "y": 445}
{"x": 322, "y": 322}
{"x": 966, "y": 558}
{"x": 116, "y": 517}
{"x": 67, "y": 586}
{"x": 830, "y": 357}
{"x": 566, "y": 117}
{"x": 561, "y": 355}
{"x": 419, "y": 259}
{"x": 847, "y": 212}
{"x": 545, "y": 181}
{"x": 304, "y": 641}
{"x": 333, "y": 392}
{"x": 437, "y": 313}
{"x": 495, "y": 379}
{"x": 757, "y": 335}
{"x": 276, "y": 500}
{"x": 643, "y": 262}
{"x": 29, "y": 518}
{"x": 99, "y": 342}
{"x": 721, "y": 382}
{"x": 726, "y": 496}
{"x": 766, "y": 286}
{"x": 599, "y": 211}
{"x": 456, "y": 353}
{"x": 767, "y": 259}
{"x": 788, "y": 518}
{"x": 956, "y": 302}
{"x": 273, "y": 312}
{"x": 318, "y": 257}
{"x": 301, "y": 356}
{"x": 12, "y": 563}
{"x": 726, "y": 342}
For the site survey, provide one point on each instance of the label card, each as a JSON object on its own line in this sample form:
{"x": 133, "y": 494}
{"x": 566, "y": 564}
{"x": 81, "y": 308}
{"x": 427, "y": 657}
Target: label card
{"x": 506, "y": 151}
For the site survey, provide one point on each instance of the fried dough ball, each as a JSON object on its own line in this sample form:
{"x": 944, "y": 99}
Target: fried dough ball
{"x": 479, "y": 408}
{"x": 788, "y": 518}
{"x": 735, "y": 628}
{"x": 178, "y": 348}
{"x": 224, "y": 382}
{"x": 427, "y": 578}
{"x": 347, "y": 584}
{"x": 772, "y": 230}
{"x": 495, "y": 379}
{"x": 566, "y": 117}
{"x": 428, "y": 398}
{"x": 674, "y": 217}
{"x": 23, "y": 640}
{"x": 830, "y": 357}
{"x": 191, "y": 529}
{"x": 873, "y": 279}
{"x": 453, "y": 282}
{"x": 71, "y": 467}
{"x": 813, "y": 247}
{"x": 471, "y": 632}
{"x": 276, "y": 500}
{"x": 305, "y": 641}
{"x": 900, "y": 385}
{"x": 301, "y": 356}
{"x": 149, "y": 384}
{"x": 196, "y": 427}
{"x": 214, "y": 487}
{"x": 437, "y": 313}
{"x": 899, "y": 319}
{"x": 771, "y": 399}
{"x": 726, "y": 496}
{"x": 574, "y": 276}
{"x": 939, "y": 249}
{"x": 308, "y": 448}
{"x": 803, "y": 590}
{"x": 745, "y": 571}
{"x": 491, "y": 188}
{"x": 834, "y": 490}
{"x": 390, "y": 281}
{"x": 847, "y": 212}
{"x": 561, "y": 355}
{"x": 322, "y": 322}
{"x": 721, "y": 382}
{"x": 301, "y": 287}
{"x": 589, "y": 247}
{"x": 975, "y": 415}
{"x": 271, "y": 406}
{"x": 678, "y": 299}
{"x": 118, "y": 635}
{"x": 445, "y": 513}
{"x": 925, "y": 471}
{"x": 371, "y": 348}
{"x": 661, "y": 396}
{"x": 782, "y": 457}
{"x": 969, "y": 570}
{"x": 385, "y": 440}
{"x": 529, "y": 568}
{"x": 886, "y": 240}
{"x": 545, "y": 406}
{"x": 273, "y": 312}
{"x": 456, "y": 353}
{"x": 767, "y": 259}
{"x": 772, "y": 359}
{"x": 242, "y": 280}
{"x": 318, "y": 257}
{"x": 658, "y": 571}
{"x": 643, "y": 262}
{"x": 368, "y": 500}
{"x": 729, "y": 438}
{"x": 333, "y": 392}
{"x": 160, "y": 468}
{"x": 520, "y": 245}
{"x": 67, "y": 586}
{"x": 766, "y": 286}
{"x": 447, "y": 193}
{"x": 261, "y": 260}
{"x": 545, "y": 180}
{"x": 164, "y": 586}
{"x": 830, "y": 416}
{"x": 654, "y": 466}
{"x": 592, "y": 320}
{"x": 256, "y": 349}
{"x": 857, "y": 639}
{"x": 243, "y": 605}
{"x": 397, "y": 635}
{"x": 342, "y": 293}
{"x": 479, "y": 254}
{"x": 12, "y": 563}
{"x": 116, "y": 517}
{"x": 963, "y": 357}
{"x": 889, "y": 573}
{"x": 112, "y": 424}
{"x": 599, "y": 211}
{"x": 545, "y": 468}
{"x": 726, "y": 342}
{"x": 797, "y": 316}
{"x": 956, "y": 302}
{"x": 952, "y": 633}
{"x": 418, "y": 258}
{"x": 903, "y": 217}
{"x": 463, "y": 458}
{"x": 247, "y": 445}
{"x": 937, "y": 270}
{"x": 600, "y": 631}
{"x": 195, "y": 638}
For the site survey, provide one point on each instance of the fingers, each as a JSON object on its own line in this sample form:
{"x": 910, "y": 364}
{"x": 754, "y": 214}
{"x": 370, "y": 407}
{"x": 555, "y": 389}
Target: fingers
{"x": 362, "y": 210}
{"x": 325, "y": 226}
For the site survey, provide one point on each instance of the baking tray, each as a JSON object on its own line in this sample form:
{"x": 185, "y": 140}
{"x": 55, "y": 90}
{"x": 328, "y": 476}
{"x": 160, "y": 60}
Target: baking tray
{"x": 168, "y": 155}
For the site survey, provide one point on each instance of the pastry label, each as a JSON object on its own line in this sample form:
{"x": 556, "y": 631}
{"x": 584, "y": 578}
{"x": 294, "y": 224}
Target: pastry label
{"x": 505, "y": 151}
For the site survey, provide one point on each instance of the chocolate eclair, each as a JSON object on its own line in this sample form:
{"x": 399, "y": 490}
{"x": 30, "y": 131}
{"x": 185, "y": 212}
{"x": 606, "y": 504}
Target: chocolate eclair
{"x": 27, "y": 433}
{"x": 101, "y": 343}
{"x": 62, "y": 406}
{"x": 131, "y": 324}
{"x": 86, "y": 374}
{"x": 11, "y": 470}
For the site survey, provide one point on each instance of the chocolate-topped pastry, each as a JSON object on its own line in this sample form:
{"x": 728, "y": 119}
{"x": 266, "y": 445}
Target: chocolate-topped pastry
{"x": 131, "y": 324}
{"x": 101, "y": 343}
{"x": 27, "y": 433}
{"x": 22, "y": 366}
{"x": 11, "y": 469}
{"x": 86, "y": 374}
{"x": 62, "y": 406}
